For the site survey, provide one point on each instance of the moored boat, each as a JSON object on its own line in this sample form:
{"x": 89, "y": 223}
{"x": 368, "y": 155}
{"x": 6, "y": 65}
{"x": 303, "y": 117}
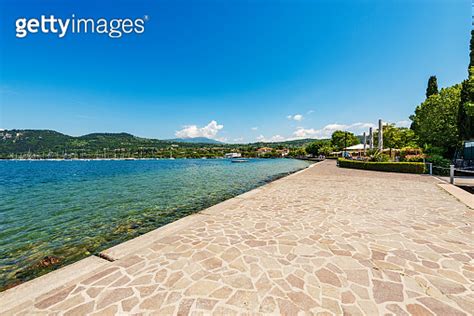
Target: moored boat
{"x": 236, "y": 160}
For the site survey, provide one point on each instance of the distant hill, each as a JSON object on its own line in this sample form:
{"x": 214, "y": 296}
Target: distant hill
{"x": 289, "y": 143}
{"x": 195, "y": 140}
{"x": 44, "y": 142}
{"x": 51, "y": 144}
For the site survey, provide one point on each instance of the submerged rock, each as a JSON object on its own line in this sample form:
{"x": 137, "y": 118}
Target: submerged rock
{"x": 48, "y": 261}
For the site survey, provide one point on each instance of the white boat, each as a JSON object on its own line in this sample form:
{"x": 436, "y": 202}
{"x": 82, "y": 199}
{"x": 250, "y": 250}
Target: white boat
{"x": 237, "y": 160}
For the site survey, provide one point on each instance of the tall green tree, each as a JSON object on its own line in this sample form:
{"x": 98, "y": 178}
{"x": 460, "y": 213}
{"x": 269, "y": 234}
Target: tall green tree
{"x": 466, "y": 108}
{"x": 432, "y": 86}
{"x": 396, "y": 137}
{"x": 326, "y": 150}
{"x": 314, "y": 148}
{"x": 341, "y": 138}
{"x": 471, "y": 50}
{"x": 435, "y": 120}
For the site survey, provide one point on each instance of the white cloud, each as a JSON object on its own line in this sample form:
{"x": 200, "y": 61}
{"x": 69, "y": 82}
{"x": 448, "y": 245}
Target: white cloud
{"x": 209, "y": 131}
{"x": 326, "y": 132}
{"x": 296, "y": 117}
{"x": 404, "y": 123}
{"x": 304, "y": 133}
{"x": 255, "y": 128}
{"x": 275, "y": 138}
{"x": 360, "y": 126}
{"x": 310, "y": 112}
{"x": 238, "y": 139}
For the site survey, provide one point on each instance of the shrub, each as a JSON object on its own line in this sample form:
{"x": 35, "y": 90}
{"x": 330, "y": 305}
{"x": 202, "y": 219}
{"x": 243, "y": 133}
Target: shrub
{"x": 404, "y": 167}
{"x": 414, "y": 158}
{"x": 380, "y": 157}
{"x": 430, "y": 150}
{"x": 439, "y": 161}
{"x": 376, "y": 155}
{"x": 406, "y": 151}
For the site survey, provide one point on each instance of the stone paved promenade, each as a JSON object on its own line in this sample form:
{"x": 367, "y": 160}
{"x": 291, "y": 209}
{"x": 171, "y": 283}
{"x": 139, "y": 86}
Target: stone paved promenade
{"x": 325, "y": 240}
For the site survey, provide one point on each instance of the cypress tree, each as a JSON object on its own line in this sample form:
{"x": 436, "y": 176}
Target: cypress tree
{"x": 432, "y": 86}
{"x": 466, "y": 106}
{"x": 471, "y": 53}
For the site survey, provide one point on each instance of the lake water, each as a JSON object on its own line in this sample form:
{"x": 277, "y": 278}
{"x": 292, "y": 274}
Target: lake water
{"x": 72, "y": 209}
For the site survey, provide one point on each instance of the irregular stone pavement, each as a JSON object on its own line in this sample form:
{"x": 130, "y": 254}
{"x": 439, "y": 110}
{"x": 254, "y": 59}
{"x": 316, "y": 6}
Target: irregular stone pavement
{"x": 326, "y": 240}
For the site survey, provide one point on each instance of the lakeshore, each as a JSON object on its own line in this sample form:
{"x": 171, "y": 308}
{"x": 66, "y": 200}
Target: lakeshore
{"x": 323, "y": 239}
{"x": 56, "y": 213}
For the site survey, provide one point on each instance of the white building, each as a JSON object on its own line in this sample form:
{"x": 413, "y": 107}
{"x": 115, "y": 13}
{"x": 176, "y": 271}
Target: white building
{"x": 233, "y": 155}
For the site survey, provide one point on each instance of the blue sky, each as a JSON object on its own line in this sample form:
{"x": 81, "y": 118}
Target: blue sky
{"x": 231, "y": 70}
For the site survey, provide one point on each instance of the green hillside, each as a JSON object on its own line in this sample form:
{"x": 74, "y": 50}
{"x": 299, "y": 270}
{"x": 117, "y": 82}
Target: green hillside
{"x": 51, "y": 144}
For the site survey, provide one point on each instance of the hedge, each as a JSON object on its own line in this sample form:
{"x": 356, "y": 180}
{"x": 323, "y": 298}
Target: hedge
{"x": 405, "y": 167}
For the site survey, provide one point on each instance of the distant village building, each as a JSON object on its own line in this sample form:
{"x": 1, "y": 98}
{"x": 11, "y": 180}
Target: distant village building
{"x": 267, "y": 150}
{"x": 264, "y": 150}
{"x": 283, "y": 152}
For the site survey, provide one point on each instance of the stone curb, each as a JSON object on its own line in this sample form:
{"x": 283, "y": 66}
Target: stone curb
{"x": 26, "y": 292}
{"x": 460, "y": 194}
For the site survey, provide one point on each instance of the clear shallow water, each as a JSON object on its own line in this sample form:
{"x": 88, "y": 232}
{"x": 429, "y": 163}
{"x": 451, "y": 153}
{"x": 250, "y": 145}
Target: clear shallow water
{"x": 71, "y": 209}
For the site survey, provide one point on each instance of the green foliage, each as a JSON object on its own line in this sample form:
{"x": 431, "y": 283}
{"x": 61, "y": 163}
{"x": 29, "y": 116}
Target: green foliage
{"x": 438, "y": 161}
{"x": 432, "y": 150}
{"x": 272, "y": 154}
{"x": 312, "y": 148}
{"x": 410, "y": 151}
{"x": 377, "y": 156}
{"x": 432, "y": 87}
{"x": 396, "y": 137}
{"x": 341, "y": 139}
{"x": 50, "y": 144}
{"x": 435, "y": 120}
{"x": 466, "y": 108}
{"x": 297, "y": 143}
{"x": 404, "y": 167}
{"x": 414, "y": 158}
{"x": 471, "y": 51}
{"x": 297, "y": 152}
{"x": 412, "y": 154}
{"x": 380, "y": 157}
{"x": 315, "y": 147}
{"x": 326, "y": 150}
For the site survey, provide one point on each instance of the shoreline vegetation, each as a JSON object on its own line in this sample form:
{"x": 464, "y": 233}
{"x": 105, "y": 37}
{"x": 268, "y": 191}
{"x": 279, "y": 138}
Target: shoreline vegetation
{"x": 48, "y": 144}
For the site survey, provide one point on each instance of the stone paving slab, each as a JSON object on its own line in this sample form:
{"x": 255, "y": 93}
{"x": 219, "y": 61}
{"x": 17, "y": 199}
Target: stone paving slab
{"x": 324, "y": 241}
{"x": 462, "y": 195}
{"x": 25, "y": 294}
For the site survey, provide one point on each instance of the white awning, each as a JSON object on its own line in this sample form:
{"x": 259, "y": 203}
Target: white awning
{"x": 357, "y": 147}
